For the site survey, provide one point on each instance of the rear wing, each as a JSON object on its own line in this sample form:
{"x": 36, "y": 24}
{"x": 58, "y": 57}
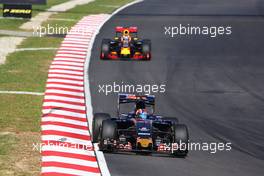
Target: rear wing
{"x": 132, "y": 98}
{"x": 120, "y": 29}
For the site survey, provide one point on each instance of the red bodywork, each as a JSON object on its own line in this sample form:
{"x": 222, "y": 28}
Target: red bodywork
{"x": 130, "y": 29}
{"x": 115, "y": 56}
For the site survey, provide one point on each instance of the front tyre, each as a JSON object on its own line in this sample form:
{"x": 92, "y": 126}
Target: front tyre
{"x": 108, "y": 135}
{"x": 146, "y": 49}
{"x": 97, "y": 125}
{"x": 105, "y": 49}
{"x": 181, "y": 139}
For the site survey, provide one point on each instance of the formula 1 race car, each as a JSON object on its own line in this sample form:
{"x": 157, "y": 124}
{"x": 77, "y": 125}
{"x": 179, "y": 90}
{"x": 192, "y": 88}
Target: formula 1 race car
{"x": 139, "y": 131}
{"x": 126, "y": 44}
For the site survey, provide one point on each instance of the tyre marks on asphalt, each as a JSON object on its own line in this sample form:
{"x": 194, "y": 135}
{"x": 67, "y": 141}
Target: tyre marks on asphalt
{"x": 66, "y": 142}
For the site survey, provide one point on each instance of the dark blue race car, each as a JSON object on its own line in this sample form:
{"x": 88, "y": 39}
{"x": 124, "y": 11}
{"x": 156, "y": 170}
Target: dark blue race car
{"x": 139, "y": 130}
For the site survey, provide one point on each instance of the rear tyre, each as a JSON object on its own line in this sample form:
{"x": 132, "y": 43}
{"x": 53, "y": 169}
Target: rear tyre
{"x": 146, "y": 49}
{"x": 97, "y": 124}
{"x": 105, "y": 49}
{"x": 181, "y": 138}
{"x": 109, "y": 134}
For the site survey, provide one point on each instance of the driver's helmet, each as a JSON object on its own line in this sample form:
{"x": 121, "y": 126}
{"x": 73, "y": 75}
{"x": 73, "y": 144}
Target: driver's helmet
{"x": 126, "y": 32}
{"x": 141, "y": 113}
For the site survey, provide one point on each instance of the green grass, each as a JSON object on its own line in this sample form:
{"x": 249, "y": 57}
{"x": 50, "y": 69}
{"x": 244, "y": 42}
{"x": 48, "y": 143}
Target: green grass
{"x": 19, "y": 129}
{"x": 96, "y": 7}
{"x": 14, "y": 24}
{"x": 19, "y": 113}
{"x": 17, "y": 156}
{"x": 50, "y": 3}
{"x": 26, "y": 71}
{"x": 44, "y": 42}
{"x": 7, "y": 142}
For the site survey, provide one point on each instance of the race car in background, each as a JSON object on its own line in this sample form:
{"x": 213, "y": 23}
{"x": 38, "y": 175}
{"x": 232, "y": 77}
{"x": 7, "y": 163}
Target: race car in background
{"x": 126, "y": 44}
{"x": 140, "y": 130}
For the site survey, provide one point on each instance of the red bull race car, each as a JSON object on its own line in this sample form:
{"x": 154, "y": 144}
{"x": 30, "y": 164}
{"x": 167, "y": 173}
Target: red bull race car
{"x": 126, "y": 45}
{"x": 139, "y": 131}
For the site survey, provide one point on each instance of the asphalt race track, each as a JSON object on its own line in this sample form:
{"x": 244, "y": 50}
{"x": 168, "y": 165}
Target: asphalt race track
{"x": 214, "y": 85}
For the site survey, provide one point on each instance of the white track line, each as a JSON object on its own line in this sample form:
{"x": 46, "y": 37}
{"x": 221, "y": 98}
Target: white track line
{"x": 64, "y": 105}
{"x": 80, "y": 88}
{"x": 54, "y": 119}
{"x": 65, "y": 71}
{"x": 66, "y": 129}
{"x": 89, "y": 110}
{"x": 66, "y": 171}
{"x": 59, "y": 97}
{"x": 22, "y": 93}
{"x": 63, "y": 112}
{"x": 72, "y": 140}
{"x": 35, "y": 49}
{"x": 69, "y": 160}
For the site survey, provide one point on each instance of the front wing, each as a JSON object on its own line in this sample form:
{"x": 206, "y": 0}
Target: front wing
{"x": 118, "y": 57}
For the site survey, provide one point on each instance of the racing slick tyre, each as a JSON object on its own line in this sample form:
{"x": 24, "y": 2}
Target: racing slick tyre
{"x": 105, "y": 49}
{"x": 108, "y": 134}
{"x": 97, "y": 124}
{"x": 181, "y": 138}
{"x": 146, "y": 49}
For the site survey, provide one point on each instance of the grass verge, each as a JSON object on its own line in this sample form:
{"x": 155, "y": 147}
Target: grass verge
{"x": 17, "y": 156}
{"x": 27, "y": 70}
{"x": 75, "y": 14}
